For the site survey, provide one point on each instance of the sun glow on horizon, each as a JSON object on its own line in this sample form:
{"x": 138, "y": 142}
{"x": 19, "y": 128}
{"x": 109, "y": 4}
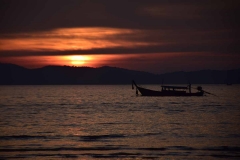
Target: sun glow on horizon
{"x": 79, "y": 59}
{"x": 67, "y": 60}
{"x": 128, "y": 61}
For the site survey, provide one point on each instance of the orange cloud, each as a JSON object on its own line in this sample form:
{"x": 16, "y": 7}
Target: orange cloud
{"x": 72, "y": 39}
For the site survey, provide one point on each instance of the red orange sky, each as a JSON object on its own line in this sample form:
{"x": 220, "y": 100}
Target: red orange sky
{"x": 153, "y": 36}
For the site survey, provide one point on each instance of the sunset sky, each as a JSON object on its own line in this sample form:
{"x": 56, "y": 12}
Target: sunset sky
{"x": 157, "y": 36}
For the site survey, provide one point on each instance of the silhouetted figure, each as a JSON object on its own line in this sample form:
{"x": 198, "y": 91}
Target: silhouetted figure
{"x": 190, "y": 86}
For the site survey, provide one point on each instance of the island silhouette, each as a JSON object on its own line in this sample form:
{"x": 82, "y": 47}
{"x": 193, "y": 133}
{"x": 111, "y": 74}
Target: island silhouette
{"x": 12, "y": 74}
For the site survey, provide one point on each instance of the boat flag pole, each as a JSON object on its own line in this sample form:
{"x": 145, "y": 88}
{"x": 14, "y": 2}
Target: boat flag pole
{"x": 133, "y": 83}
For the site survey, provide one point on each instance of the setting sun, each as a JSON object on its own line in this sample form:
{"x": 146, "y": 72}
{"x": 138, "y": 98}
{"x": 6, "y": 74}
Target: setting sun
{"x": 78, "y": 59}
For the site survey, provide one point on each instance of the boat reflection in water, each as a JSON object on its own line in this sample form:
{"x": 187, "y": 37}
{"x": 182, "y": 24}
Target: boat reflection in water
{"x": 169, "y": 91}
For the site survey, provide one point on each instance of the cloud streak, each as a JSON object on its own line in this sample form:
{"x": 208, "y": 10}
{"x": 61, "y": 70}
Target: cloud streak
{"x": 70, "y": 39}
{"x": 93, "y": 40}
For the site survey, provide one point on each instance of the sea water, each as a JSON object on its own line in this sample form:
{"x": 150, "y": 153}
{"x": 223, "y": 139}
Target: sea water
{"x": 111, "y": 122}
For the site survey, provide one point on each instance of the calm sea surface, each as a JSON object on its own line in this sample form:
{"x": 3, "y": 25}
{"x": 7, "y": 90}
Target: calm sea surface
{"x": 111, "y": 122}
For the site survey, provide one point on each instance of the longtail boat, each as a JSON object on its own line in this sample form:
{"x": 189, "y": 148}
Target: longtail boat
{"x": 169, "y": 91}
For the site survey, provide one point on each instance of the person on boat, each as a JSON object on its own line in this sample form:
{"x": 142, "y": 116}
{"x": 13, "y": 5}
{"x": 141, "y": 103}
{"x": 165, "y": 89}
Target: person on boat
{"x": 189, "y": 87}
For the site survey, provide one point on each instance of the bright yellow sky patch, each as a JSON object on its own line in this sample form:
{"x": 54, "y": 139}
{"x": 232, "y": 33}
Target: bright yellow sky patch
{"x": 79, "y": 60}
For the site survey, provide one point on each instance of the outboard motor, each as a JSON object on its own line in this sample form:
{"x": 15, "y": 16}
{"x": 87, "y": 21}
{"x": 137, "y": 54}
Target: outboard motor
{"x": 199, "y": 88}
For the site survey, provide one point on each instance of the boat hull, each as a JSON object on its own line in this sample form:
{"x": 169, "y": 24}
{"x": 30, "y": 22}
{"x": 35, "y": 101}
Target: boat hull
{"x": 148, "y": 92}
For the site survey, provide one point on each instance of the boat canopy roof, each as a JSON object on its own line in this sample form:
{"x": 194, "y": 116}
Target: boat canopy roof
{"x": 174, "y": 87}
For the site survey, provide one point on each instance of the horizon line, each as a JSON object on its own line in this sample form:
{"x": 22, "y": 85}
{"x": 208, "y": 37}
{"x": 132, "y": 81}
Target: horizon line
{"x": 117, "y": 68}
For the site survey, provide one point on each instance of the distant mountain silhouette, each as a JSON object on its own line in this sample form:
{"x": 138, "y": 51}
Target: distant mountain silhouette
{"x": 55, "y": 75}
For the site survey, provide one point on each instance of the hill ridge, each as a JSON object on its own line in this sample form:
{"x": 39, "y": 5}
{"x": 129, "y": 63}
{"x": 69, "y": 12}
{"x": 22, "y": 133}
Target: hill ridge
{"x": 12, "y": 74}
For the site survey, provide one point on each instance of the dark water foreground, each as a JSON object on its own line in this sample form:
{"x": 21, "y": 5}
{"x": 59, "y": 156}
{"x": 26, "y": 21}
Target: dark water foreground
{"x": 110, "y": 122}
